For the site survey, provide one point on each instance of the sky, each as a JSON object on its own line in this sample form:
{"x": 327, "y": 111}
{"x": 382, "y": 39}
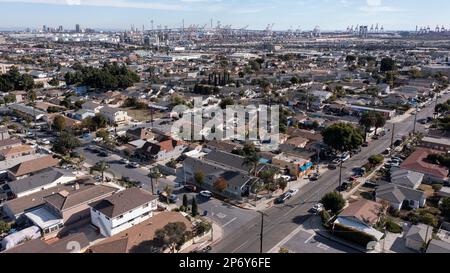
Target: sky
{"x": 257, "y": 14}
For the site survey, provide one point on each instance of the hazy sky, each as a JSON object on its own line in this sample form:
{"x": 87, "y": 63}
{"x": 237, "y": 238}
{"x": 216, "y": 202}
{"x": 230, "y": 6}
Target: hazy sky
{"x": 303, "y": 14}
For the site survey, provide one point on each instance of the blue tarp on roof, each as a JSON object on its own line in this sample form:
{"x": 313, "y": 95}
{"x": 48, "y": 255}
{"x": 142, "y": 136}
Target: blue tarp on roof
{"x": 305, "y": 167}
{"x": 264, "y": 161}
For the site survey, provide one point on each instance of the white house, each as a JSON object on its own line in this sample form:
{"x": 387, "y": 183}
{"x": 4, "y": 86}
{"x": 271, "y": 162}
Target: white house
{"x": 114, "y": 115}
{"x": 122, "y": 210}
{"x": 92, "y": 106}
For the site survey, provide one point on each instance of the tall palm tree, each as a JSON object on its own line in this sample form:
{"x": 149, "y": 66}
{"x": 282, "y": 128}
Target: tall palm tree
{"x": 168, "y": 190}
{"x": 102, "y": 167}
{"x": 154, "y": 174}
{"x": 252, "y": 161}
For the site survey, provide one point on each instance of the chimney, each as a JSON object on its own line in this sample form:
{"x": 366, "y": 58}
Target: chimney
{"x": 77, "y": 186}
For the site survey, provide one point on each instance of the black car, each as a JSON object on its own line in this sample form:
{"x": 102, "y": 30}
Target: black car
{"x": 103, "y": 154}
{"x": 283, "y": 198}
{"x": 398, "y": 143}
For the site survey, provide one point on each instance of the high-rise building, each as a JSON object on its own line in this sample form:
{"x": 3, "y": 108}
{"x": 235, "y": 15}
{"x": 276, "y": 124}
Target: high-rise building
{"x": 77, "y": 28}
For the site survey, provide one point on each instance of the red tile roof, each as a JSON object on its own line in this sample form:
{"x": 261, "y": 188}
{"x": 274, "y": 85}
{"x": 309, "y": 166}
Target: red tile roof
{"x": 417, "y": 162}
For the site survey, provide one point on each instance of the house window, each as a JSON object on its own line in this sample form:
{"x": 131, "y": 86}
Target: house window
{"x": 120, "y": 217}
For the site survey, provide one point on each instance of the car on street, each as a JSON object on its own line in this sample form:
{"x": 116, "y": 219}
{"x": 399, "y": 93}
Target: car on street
{"x": 133, "y": 165}
{"x": 336, "y": 161}
{"x": 190, "y": 188}
{"x": 124, "y": 161}
{"x": 103, "y": 154}
{"x": 282, "y": 198}
{"x": 173, "y": 198}
{"x": 365, "y": 144}
{"x": 317, "y": 208}
{"x": 398, "y": 143}
{"x": 345, "y": 157}
{"x": 206, "y": 194}
{"x": 332, "y": 166}
{"x": 387, "y": 151}
{"x": 314, "y": 177}
{"x": 292, "y": 192}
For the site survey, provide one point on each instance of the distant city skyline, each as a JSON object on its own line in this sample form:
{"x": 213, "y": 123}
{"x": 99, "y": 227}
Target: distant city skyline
{"x": 257, "y": 14}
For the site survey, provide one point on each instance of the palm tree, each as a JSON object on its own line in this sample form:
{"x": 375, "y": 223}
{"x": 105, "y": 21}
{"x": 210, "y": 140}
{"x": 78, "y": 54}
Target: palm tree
{"x": 168, "y": 190}
{"x": 154, "y": 174}
{"x": 252, "y": 161}
{"x": 102, "y": 167}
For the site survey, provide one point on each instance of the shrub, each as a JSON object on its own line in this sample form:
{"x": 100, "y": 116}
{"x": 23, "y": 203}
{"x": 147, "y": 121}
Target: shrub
{"x": 325, "y": 216}
{"x": 393, "y": 227}
{"x": 437, "y": 187}
{"x": 333, "y": 201}
{"x": 376, "y": 159}
{"x": 353, "y": 235}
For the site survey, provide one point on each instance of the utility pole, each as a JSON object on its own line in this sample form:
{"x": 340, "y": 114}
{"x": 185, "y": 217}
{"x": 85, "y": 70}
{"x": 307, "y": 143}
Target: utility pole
{"x": 261, "y": 236}
{"x": 340, "y": 176}
{"x": 415, "y": 119}
{"x": 393, "y": 134}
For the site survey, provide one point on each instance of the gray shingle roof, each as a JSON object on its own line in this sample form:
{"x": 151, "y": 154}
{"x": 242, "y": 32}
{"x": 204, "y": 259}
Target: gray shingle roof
{"x": 122, "y": 202}
{"x": 35, "y": 181}
{"x": 397, "y": 194}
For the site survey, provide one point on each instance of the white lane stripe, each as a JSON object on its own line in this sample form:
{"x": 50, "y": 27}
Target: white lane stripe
{"x": 229, "y": 222}
{"x": 239, "y": 247}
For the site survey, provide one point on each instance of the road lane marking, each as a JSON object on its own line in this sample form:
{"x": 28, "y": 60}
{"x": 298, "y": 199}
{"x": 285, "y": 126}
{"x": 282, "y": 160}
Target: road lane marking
{"x": 239, "y": 247}
{"x": 220, "y": 215}
{"x": 309, "y": 239}
{"x": 229, "y": 222}
{"x": 287, "y": 238}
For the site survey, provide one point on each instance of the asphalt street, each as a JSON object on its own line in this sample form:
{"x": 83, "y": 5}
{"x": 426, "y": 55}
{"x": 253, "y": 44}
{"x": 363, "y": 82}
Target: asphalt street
{"x": 279, "y": 222}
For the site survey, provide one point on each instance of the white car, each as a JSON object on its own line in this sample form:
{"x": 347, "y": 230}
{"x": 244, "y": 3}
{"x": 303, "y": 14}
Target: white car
{"x": 317, "y": 208}
{"x": 293, "y": 192}
{"x": 206, "y": 194}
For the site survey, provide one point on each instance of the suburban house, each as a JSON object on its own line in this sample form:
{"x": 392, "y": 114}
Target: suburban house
{"x": 114, "y": 115}
{"x": 439, "y": 144}
{"x": 238, "y": 181}
{"x": 16, "y": 208}
{"x": 135, "y": 239}
{"x": 361, "y": 215}
{"x": 295, "y": 165}
{"x": 16, "y": 152}
{"x": 417, "y": 162}
{"x": 297, "y": 142}
{"x": 39, "y": 182}
{"x": 31, "y": 167}
{"x": 407, "y": 178}
{"x": 72, "y": 206}
{"x": 418, "y": 237}
{"x": 438, "y": 246}
{"x": 140, "y": 133}
{"x": 4, "y": 134}
{"x": 92, "y": 106}
{"x": 9, "y": 143}
{"x": 122, "y": 210}
{"x": 163, "y": 149}
{"x": 83, "y": 114}
{"x": 397, "y": 196}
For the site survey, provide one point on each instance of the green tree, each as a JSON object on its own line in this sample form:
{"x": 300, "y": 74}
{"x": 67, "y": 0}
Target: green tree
{"x": 333, "y": 201}
{"x": 367, "y": 121}
{"x": 445, "y": 207}
{"x": 168, "y": 190}
{"x": 154, "y": 175}
{"x": 10, "y": 98}
{"x": 4, "y": 227}
{"x": 252, "y": 161}
{"x": 172, "y": 235}
{"x": 185, "y": 201}
{"x": 387, "y": 64}
{"x": 65, "y": 143}
{"x": 376, "y": 159}
{"x": 54, "y": 82}
{"x": 199, "y": 177}
{"x": 342, "y": 137}
{"x": 226, "y": 102}
{"x": 101, "y": 167}
{"x": 59, "y": 123}
{"x": 194, "y": 210}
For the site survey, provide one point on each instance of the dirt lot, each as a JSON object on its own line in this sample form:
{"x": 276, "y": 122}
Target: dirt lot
{"x": 429, "y": 192}
{"x": 142, "y": 115}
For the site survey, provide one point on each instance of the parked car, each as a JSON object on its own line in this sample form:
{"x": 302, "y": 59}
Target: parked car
{"x": 103, "y": 154}
{"x": 283, "y": 198}
{"x": 190, "y": 188}
{"x": 332, "y": 166}
{"x": 365, "y": 144}
{"x": 124, "y": 161}
{"x": 398, "y": 142}
{"x": 206, "y": 194}
{"x": 345, "y": 157}
{"x": 337, "y": 161}
{"x": 173, "y": 198}
{"x": 314, "y": 177}
{"x": 133, "y": 165}
{"x": 292, "y": 192}
{"x": 317, "y": 208}
{"x": 387, "y": 151}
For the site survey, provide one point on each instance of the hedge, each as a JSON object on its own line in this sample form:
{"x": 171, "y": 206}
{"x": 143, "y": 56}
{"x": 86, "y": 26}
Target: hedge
{"x": 353, "y": 235}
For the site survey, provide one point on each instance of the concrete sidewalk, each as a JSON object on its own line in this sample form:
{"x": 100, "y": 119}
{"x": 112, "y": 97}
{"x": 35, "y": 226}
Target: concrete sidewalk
{"x": 217, "y": 235}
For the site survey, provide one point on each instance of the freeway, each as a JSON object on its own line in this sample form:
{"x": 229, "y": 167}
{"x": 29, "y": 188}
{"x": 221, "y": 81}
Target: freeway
{"x": 279, "y": 222}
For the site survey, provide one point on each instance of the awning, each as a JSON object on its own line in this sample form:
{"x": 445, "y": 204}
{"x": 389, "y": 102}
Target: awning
{"x": 43, "y": 218}
{"x": 306, "y": 167}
